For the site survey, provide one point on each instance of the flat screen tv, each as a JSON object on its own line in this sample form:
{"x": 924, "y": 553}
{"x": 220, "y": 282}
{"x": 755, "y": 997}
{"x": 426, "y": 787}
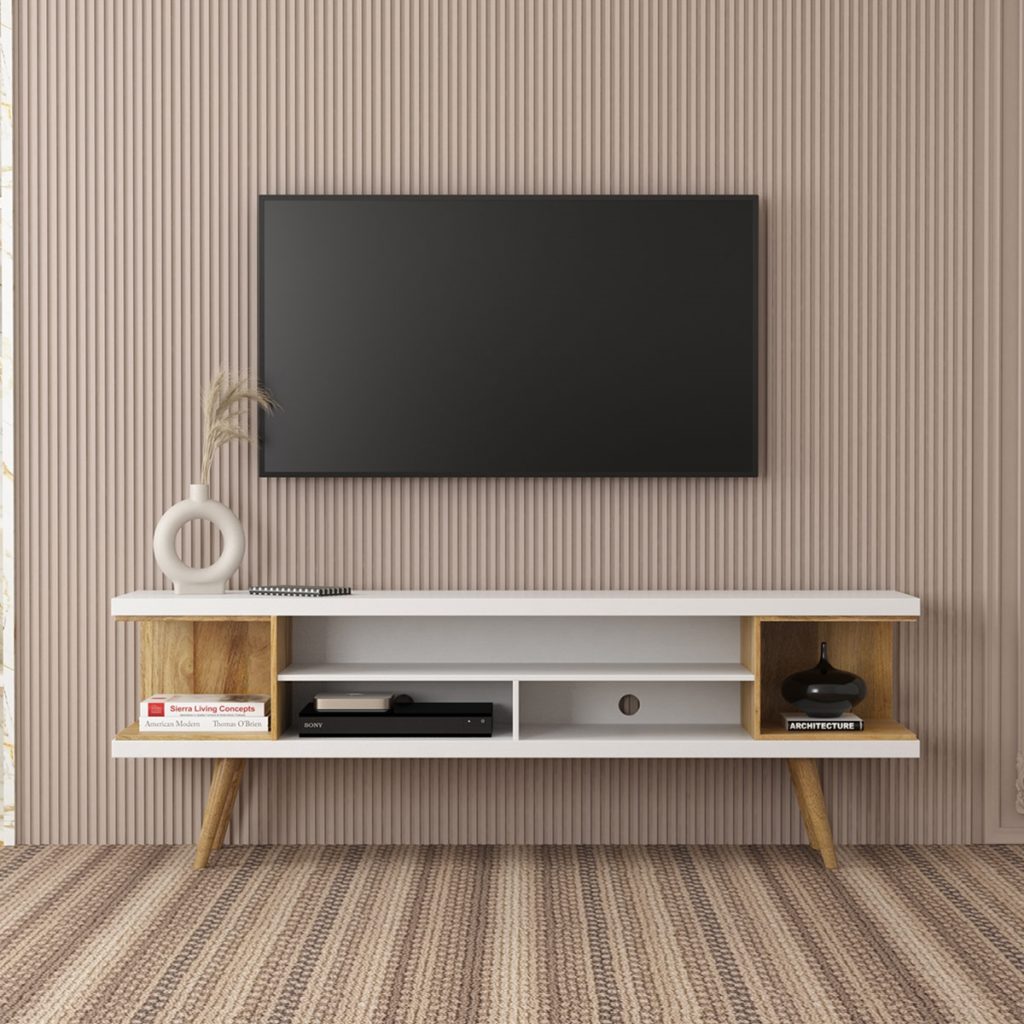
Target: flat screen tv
{"x": 509, "y": 336}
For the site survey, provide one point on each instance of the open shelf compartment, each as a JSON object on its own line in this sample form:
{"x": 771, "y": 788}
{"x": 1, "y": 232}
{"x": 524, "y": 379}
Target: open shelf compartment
{"x": 776, "y": 648}
{"x": 470, "y": 688}
{"x": 214, "y": 655}
{"x": 611, "y": 710}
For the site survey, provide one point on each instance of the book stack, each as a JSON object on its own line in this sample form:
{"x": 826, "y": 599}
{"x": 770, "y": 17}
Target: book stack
{"x": 275, "y": 590}
{"x": 797, "y": 721}
{"x": 205, "y": 712}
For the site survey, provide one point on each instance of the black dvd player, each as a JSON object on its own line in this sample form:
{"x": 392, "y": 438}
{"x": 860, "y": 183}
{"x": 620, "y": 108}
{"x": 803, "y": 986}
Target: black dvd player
{"x": 412, "y": 719}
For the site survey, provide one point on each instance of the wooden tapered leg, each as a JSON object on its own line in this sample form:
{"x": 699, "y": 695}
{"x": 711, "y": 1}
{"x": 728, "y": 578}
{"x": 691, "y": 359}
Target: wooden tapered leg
{"x": 807, "y": 783}
{"x": 235, "y": 770}
{"x": 804, "y": 813}
{"x": 220, "y": 787}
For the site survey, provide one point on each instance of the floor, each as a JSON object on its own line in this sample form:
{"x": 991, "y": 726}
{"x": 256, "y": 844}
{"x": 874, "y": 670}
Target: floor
{"x": 505, "y": 934}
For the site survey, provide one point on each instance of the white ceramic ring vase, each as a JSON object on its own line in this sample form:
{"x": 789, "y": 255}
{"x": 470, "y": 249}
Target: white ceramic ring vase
{"x": 210, "y": 579}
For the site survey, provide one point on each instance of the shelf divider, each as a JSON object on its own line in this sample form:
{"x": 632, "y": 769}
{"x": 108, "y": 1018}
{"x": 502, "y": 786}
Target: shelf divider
{"x": 555, "y": 672}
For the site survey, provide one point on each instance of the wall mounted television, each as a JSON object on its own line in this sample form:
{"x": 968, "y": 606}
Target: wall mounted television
{"x": 509, "y": 336}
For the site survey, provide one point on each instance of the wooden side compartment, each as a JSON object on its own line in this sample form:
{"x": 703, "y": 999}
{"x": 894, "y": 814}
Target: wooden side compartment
{"x": 750, "y": 692}
{"x": 863, "y": 646}
{"x": 280, "y": 658}
{"x": 214, "y": 656}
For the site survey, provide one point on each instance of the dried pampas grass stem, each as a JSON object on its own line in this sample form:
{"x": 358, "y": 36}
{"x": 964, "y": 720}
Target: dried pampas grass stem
{"x": 225, "y": 412}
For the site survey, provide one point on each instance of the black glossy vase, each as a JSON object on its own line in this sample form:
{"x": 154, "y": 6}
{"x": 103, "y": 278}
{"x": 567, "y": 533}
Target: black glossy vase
{"x": 824, "y": 691}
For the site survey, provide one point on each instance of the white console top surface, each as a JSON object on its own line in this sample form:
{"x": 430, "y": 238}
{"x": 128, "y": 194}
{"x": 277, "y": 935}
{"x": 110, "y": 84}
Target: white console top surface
{"x": 703, "y": 741}
{"x": 716, "y": 603}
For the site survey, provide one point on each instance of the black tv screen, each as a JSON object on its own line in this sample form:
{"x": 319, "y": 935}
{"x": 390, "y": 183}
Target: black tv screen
{"x": 509, "y": 336}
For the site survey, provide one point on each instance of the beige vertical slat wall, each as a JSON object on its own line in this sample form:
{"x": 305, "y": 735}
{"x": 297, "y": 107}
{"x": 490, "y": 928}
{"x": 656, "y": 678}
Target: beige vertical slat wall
{"x": 999, "y": 319}
{"x": 145, "y": 132}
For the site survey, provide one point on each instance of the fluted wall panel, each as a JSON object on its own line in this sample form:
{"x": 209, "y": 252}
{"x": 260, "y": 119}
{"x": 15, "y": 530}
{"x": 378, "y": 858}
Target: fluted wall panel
{"x": 999, "y": 336}
{"x": 144, "y": 134}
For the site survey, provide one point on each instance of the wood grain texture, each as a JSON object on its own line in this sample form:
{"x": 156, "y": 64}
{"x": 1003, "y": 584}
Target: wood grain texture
{"x": 205, "y": 656}
{"x": 233, "y": 657}
{"x": 166, "y": 657}
{"x": 218, "y": 805}
{"x": 750, "y": 692}
{"x": 799, "y": 791}
{"x": 145, "y": 132}
{"x": 236, "y": 769}
{"x": 811, "y": 800}
{"x": 864, "y": 648}
{"x": 280, "y": 658}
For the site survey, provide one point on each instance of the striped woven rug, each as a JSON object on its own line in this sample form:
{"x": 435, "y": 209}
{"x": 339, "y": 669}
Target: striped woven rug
{"x": 472, "y": 934}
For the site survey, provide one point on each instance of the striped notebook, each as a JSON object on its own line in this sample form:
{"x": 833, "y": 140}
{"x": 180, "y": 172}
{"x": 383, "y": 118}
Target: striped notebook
{"x": 290, "y": 591}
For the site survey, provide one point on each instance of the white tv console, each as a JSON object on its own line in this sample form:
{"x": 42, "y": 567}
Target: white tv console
{"x": 705, "y": 667}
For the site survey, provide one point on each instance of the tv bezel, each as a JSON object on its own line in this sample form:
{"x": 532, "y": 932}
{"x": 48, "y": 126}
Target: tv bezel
{"x": 752, "y": 198}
